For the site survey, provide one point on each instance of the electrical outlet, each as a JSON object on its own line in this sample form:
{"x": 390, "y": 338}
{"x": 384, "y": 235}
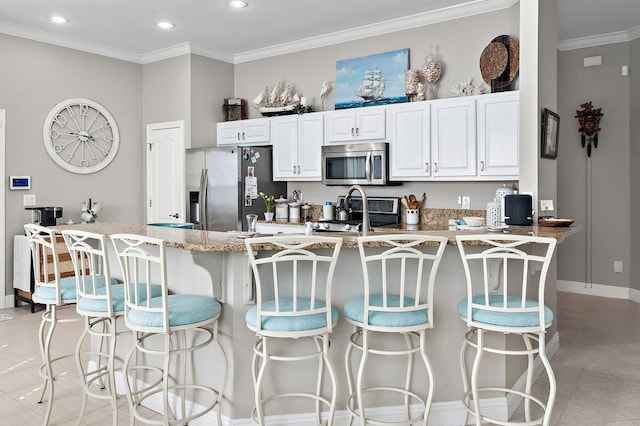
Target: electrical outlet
{"x": 617, "y": 266}
{"x": 459, "y": 200}
{"x": 29, "y": 200}
{"x": 466, "y": 202}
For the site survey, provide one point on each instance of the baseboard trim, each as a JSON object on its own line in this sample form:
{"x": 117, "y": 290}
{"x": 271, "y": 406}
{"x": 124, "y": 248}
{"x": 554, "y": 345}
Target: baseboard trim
{"x": 8, "y": 301}
{"x": 601, "y": 290}
{"x": 446, "y": 413}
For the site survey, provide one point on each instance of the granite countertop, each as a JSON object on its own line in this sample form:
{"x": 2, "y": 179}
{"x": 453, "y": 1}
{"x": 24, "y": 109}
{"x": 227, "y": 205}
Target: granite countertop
{"x": 213, "y": 241}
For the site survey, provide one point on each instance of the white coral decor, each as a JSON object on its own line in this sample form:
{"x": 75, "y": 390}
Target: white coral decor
{"x": 466, "y": 88}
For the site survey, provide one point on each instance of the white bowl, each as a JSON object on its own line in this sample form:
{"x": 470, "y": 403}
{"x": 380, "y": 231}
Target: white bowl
{"x": 474, "y": 221}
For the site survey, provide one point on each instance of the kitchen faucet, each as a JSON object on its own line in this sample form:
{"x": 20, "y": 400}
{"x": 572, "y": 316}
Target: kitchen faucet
{"x": 365, "y": 206}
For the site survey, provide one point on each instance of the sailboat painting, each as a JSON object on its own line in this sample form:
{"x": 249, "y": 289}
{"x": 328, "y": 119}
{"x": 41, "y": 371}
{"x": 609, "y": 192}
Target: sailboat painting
{"x": 371, "y": 80}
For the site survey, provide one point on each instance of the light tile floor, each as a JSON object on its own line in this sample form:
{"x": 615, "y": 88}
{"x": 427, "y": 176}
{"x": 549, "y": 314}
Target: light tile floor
{"x": 597, "y": 368}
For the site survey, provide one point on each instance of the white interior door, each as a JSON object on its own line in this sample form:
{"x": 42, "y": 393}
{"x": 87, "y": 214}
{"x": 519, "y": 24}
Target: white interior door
{"x": 166, "y": 194}
{"x": 2, "y": 212}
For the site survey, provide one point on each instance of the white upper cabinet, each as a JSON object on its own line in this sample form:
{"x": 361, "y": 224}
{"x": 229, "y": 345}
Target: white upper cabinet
{"x": 453, "y": 137}
{"x": 498, "y": 141}
{"x": 357, "y": 124}
{"x": 408, "y": 130}
{"x": 244, "y": 132}
{"x": 297, "y": 144}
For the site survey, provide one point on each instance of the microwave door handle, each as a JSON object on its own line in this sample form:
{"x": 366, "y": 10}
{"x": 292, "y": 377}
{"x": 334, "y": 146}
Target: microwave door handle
{"x": 367, "y": 167}
{"x": 202, "y": 199}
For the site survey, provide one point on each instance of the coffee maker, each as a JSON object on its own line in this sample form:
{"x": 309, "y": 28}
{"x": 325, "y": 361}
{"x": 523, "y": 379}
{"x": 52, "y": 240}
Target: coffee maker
{"x": 44, "y": 216}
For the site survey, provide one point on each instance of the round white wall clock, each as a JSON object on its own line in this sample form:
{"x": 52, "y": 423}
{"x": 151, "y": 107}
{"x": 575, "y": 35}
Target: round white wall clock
{"x": 80, "y": 135}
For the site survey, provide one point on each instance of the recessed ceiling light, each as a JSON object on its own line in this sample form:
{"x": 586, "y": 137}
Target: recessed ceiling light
{"x": 238, "y": 3}
{"x": 58, "y": 19}
{"x": 165, "y": 25}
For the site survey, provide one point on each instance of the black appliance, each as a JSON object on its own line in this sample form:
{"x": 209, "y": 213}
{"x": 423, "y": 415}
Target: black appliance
{"x": 45, "y": 216}
{"x": 518, "y": 209}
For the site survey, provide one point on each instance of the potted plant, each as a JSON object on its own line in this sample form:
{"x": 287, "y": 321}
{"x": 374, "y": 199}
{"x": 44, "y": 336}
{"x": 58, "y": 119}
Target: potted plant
{"x": 269, "y": 204}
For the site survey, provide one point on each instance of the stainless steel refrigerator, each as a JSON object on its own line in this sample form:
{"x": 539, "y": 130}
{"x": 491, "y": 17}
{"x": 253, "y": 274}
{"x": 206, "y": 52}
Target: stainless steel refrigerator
{"x": 222, "y": 185}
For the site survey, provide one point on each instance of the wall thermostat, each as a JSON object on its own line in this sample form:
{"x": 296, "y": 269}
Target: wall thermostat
{"x": 19, "y": 182}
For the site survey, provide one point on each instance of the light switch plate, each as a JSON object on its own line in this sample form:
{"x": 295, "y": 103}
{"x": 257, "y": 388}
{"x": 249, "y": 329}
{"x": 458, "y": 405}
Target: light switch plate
{"x": 29, "y": 200}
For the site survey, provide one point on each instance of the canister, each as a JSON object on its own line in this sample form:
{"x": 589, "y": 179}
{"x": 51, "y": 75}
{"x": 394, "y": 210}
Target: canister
{"x": 294, "y": 211}
{"x": 327, "y": 211}
{"x": 493, "y": 218}
{"x": 282, "y": 210}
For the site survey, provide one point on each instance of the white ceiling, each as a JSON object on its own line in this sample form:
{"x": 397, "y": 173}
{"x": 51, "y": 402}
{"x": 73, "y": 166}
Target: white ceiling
{"x": 126, "y": 29}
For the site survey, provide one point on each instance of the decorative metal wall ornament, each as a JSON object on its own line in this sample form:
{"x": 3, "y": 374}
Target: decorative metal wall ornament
{"x": 589, "y": 120}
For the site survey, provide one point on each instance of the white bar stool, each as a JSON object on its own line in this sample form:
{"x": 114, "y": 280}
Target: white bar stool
{"x": 518, "y": 308}
{"x": 101, "y": 306}
{"x": 183, "y": 324}
{"x": 54, "y": 292}
{"x": 293, "y": 302}
{"x": 399, "y": 276}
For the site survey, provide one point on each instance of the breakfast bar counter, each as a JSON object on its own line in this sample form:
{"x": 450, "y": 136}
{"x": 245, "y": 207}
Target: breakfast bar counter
{"x": 216, "y": 264}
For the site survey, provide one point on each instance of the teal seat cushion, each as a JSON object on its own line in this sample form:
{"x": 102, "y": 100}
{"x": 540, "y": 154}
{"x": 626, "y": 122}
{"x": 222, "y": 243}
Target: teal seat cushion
{"x": 505, "y": 319}
{"x": 117, "y": 298}
{"x": 67, "y": 290}
{"x": 292, "y": 323}
{"x": 184, "y": 309}
{"x": 354, "y": 310}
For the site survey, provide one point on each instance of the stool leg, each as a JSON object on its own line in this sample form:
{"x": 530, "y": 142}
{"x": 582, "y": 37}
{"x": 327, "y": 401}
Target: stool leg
{"x": 427, "y": 364}
{"x": 261, "y": 351}
{"x": 474, "y": 377}
{"x": 49, "y": 316}
{"x": 407, "y": 380}
{"x": 552, "y": 380}
{"x": 363, "y": 359}
{"x": 332, "y": 375}
{"x": 165, "y": 378}
{"x": 465, "y": 377}
{"x": 224, "y": 377}
{"x": 130, "y": 383}
{"x": 113, "y": 333}
{"x": 349, "y": 368}
{"x": 529, "y": 383}
{"x": 320, "y": 349}
{"x": 81, "y": 372}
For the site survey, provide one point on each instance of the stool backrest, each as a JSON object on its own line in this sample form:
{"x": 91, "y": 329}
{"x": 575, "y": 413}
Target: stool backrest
{"x": 396, "y": 266}
{"x": 143, "y": 264}
{"x": 511, "y": 261}
{"x": 295, "y": 269}
{"x": 44, "y": 253}
{"x": 91, "y": 266}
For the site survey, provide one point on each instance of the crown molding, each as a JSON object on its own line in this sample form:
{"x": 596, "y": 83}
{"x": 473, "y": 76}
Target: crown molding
{"x": 183, "y": 49}
{"x": 475, "y": 7}
{"x": 600, "y": 40}
{"x": 69, "y": 42}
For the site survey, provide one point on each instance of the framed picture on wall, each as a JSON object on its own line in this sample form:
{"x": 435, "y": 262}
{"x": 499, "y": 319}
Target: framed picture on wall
{"x": 550, "y": 134}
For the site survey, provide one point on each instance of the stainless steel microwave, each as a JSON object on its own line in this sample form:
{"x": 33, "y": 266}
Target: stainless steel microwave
{"x": 355, "y": 164}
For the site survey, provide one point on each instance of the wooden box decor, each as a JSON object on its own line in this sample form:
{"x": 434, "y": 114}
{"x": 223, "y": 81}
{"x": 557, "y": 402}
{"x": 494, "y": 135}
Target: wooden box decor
{"x": 234, "y": 109}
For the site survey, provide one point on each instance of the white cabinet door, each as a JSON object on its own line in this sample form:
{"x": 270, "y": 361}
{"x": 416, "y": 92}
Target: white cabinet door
{"x": 244, "y": 132}
{"x": 285, "y": 147}
{"x": 310, "y": 137}
{"x": 358, "y": 124}
{"x": 453, "y": 138}
{"x": 297, "y": 143}
{"x": 409, "y": 141}
{"x": 498, "y": 118}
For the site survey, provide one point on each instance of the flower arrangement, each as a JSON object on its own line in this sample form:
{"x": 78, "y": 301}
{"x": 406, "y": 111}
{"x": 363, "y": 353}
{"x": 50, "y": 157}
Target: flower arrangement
{"x": 269, "y": 202}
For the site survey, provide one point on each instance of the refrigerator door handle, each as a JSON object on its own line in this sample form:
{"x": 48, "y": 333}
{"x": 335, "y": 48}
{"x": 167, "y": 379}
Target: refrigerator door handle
{"x": 202, "y": 199}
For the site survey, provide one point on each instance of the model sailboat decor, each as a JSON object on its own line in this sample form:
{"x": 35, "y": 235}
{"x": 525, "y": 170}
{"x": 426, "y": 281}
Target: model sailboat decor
{"x": 280, "y": 100}
{"x": 371, "y": 80}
